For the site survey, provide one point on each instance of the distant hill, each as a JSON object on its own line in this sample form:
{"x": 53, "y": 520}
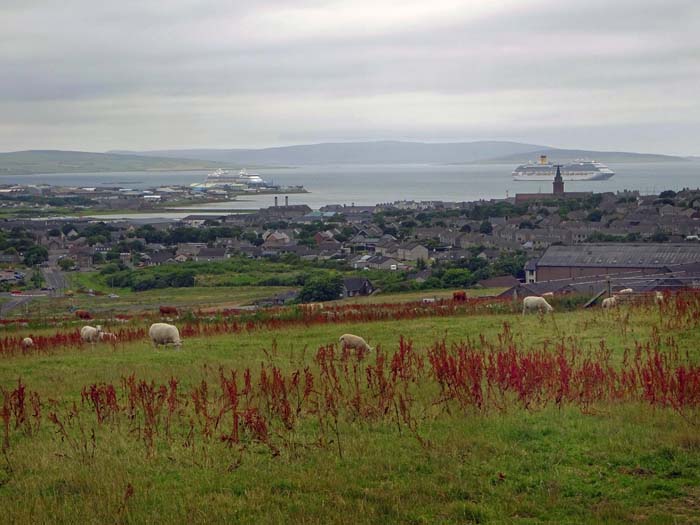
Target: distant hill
{"x": 395, "y": 152}
{"x": 567, "y": 155}
{"x": 54, "y": 161}
{"x": 382, "y": 152}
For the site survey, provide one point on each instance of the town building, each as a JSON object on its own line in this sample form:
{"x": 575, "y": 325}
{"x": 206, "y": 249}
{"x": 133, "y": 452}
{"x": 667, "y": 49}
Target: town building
{"x": 567, "y": 262}
{"x": 354, "y": 286}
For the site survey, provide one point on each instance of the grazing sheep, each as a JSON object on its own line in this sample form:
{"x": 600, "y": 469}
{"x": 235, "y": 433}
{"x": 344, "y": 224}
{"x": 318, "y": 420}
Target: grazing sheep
{"x": 658, "y": 297}
{"x": 354, "y": 341}
{"x": 27, "y": 342}
{"x": 313, "y": 307}
{"x": 164, "y": 334}
{"x": 536, "y": 303}
{"x": 626, "y": 291}
{"x": 90, "y": 334}
{"x": 108, "y": 336}
{"x": 609, "y": 302}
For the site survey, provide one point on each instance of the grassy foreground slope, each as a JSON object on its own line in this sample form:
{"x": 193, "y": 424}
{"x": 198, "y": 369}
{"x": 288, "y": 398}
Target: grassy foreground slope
{"x": 616, "y": 461}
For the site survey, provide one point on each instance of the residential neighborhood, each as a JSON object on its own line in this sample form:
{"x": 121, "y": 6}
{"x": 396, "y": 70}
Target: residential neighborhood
{"x": 424, "y": 244}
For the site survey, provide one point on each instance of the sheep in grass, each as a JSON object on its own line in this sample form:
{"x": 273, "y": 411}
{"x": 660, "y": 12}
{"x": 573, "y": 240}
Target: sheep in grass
{"x": 90, "y": 334}
{"x": 108, "y": 337}
{"x": 609, "y": 302}
{"x": 535, "y": 303}
{"x": 658, "y": 298}
{"x": 164, "y": 334}
{"x": 354, "y": 341}
{"x": 27, "y": 343}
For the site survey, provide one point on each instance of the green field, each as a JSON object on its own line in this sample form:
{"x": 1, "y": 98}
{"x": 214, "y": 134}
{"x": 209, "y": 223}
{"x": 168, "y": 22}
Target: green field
{"x": 130, "y": 302}
{"x": 613, "y": 462}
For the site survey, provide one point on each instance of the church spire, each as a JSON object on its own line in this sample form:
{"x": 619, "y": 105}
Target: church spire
{"x": 558, "y": 185}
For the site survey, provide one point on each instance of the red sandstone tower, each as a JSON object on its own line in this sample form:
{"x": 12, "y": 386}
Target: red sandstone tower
{"x": 558, "y": 184}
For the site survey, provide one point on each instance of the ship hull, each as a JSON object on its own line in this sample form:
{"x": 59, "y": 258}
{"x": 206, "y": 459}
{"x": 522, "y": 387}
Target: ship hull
{"x": 564, "y": 176}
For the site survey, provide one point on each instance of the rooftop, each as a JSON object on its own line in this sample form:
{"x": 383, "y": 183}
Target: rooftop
{"x": 642, "y": 255}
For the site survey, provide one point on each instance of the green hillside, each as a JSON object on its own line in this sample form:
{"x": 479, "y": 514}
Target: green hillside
{"x": 54, "y": 161}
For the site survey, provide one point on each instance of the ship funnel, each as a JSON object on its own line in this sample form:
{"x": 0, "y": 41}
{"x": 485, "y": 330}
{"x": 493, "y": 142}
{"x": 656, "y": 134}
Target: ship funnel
{"x": 286, "y": 200}
{"x": 543, "y": 159}
{"x": 275, "y": 201}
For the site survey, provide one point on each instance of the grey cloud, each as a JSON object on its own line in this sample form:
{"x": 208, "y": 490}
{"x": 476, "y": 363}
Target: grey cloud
{"x": 113, "y": 75}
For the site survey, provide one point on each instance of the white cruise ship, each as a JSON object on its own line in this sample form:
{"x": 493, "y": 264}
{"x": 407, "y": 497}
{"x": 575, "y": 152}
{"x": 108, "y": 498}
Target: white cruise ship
{"x": 579, "y": 170}
{"x": 241, "y": 179}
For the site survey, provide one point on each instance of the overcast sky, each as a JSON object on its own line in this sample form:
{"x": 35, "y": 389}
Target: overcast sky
{"x": 141, "y": 74}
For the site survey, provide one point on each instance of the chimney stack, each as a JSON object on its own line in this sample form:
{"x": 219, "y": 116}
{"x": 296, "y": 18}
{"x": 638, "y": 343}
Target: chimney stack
{"x": 286, "y": 200}
{"x": 275, "y": 201}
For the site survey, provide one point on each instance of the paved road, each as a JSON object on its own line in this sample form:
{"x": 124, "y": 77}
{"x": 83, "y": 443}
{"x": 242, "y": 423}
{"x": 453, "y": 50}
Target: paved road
{"x": 15, "y": 301}
{"x": 55, "y": 279}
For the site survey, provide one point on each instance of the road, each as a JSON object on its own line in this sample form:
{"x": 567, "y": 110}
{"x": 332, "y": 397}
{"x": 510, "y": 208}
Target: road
{"x": 12, "y": 303}
{"x": 56, "y": 280}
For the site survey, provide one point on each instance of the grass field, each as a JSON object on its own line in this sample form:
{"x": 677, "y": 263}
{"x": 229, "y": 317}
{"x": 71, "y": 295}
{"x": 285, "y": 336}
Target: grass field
{"x": 150, "y": 300}
{"x": 611, "y": 461}
{"x": 417, "y": 296}
{"x": 190, "y": 298}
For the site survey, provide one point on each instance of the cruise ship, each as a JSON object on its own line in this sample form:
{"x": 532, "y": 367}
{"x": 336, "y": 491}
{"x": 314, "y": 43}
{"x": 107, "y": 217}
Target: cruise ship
{"x": 579, "y": 170}
{"x": 223, "y": 177}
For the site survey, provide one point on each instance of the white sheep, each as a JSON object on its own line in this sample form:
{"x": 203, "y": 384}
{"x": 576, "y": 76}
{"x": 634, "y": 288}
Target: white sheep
{"x": 90, "y": 334}
{"x": 354, "y": 341}
{"x": 27, "y": 342}
{"x": 539, "y": 304}
{"x": 658, "y": 297}
{"x": 625, "y": 291}
{"x": 164, "y": 334}
{"x": 108, "y": 336}
{"x": 609, "y": 302}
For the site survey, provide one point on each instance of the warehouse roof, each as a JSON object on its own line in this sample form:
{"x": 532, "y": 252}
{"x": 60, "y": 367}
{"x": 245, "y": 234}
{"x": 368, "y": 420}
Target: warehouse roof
{"x": 622, "y": 255}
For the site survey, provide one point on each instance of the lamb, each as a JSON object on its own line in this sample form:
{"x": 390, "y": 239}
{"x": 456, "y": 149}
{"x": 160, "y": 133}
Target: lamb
{"x": 164, "y": 334}
{"x": 90, "y": 334}
{"x": 658, "y": 297}
{"x": 536, "y": 303}
{"x": 27, "y": 342}
{"x": 354, "y": 341}
{"x": 625, "y": 291}
{"x": 108, "y": 336}
{"x": 609, "y": 302}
